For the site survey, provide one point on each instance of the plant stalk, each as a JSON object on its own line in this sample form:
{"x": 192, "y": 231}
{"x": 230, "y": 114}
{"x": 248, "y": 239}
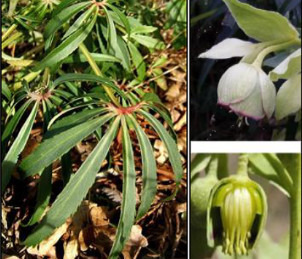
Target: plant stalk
{"x": 98, "y": 72}
{"x": 242, "y": 168}
{"x": 295, "y": 217}
{"x": 274, "y": 48}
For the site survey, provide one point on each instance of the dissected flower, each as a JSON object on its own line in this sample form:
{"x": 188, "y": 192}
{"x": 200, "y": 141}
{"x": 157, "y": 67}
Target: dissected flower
{"x": 236, "y": 216}
{"x": 247, "y": 91}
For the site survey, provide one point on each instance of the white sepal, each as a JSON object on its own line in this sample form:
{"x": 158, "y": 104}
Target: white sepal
{"x": 229, "y": 48}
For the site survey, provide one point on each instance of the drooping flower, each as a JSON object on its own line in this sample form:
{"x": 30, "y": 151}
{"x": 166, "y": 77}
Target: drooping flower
{"x": 236, "y": 215}
{"x": 248, "y": 91}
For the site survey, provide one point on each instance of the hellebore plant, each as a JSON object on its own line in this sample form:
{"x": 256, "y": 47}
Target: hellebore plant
{"x": 91, "y": 54}
{"x": 236, "y": 207}
{"x": 245, "y": 88}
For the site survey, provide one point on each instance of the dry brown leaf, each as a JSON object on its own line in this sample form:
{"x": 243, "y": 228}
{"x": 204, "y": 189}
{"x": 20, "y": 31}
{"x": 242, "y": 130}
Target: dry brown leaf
{"x": 71, "y": 249}
{"x": 98, "y": 216}
{"x": 47, "y": 247}
{"x": 161, "y": 152}
{"x": 4, "y": 256}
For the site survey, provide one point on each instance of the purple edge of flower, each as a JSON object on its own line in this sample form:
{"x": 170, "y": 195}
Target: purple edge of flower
{"x": 239, "y": 112}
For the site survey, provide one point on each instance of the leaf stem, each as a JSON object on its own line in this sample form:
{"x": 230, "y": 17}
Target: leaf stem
{"x": 8, "y": 32}
{"x": 295, "y": 218}
{"x": 242, "y": 168}
{"x": 98, "y": 72}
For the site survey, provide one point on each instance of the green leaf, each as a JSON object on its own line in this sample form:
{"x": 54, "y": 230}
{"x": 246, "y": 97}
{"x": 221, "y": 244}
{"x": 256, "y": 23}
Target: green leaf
{"x": 96, "y": 56}
{"x": 67, "y": 46}
{"x": 174, "y": 155}
{"x": 43, "y": 196}
{"x": 53, "y": 148}
{"x": 63, "y": 4}
{"x": 5, "y": 90}
{"x": 142, "y": 29}
{"x": 71, "y": 120}
{"x": 78, "y": 23}
{"x": 260, "y": 24}
{"x": 199, "y": 163}
{"x": 151, "y": 97}
{"x": 12, "y": 124}
{"x": 129, "y": 201}
{"x": 138, "y": 61}
{"x": 76, "y": 189}
{"x": 56, "y": 22}
{"x": 270, "y": 167}
{"x": 66, "y": 163}
{"x": 164, "y": 113}
{"x": 11, "y": 157}
{"x": 122, "y": 17}
{"x": 148, "y": 42}
{"x": 288, "y": 67}
{"x": 123, "y": 53}
{"x": 292, "y": 164}
{"x": 88, "y": 77}
{"x": 288, "y": 99}
{"x": 160, "y": 78}
{"x": 116, "y": 45}
{"x": 148, "y": 170}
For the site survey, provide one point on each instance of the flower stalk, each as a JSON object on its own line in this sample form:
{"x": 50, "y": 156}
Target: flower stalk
{"x": 242, "y": 168}
{"x": 295, "y": 216}
{"x": 274, "y": 48}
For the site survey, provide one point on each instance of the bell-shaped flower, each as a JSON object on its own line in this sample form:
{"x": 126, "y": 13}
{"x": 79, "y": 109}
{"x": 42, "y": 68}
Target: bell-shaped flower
{"x": 236, "y": 215}
{"x": 248, "y": 91}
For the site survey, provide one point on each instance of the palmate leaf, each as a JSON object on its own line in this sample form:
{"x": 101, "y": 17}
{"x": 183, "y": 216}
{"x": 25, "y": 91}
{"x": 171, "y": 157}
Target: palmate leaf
{"x": 88, "y": 77}
{"x": 71, "y": 120}
{"x": 67, "y": 46}
{"x": 70, "y": 198}
{"x": 11, "y": 158}
{"x": 128, "y": 204}
{"x": 148, "y": 170}
{"x": 170, "y": 144}
{"x": 53, "y": 148}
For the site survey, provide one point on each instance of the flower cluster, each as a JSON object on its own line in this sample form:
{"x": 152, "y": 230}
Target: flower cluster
{"x": 245, "y": 88}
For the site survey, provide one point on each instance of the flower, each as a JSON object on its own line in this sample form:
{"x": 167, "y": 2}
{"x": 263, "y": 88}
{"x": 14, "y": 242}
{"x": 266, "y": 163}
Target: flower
{"x": 236, "y": 214}
{"x": 248, "y": 91}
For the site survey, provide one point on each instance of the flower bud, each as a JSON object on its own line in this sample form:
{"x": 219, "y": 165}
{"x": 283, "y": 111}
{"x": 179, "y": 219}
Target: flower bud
{"x": 200, "y": 193}
{"x": 247, "y": 91}
{"x": 236, "y": 215}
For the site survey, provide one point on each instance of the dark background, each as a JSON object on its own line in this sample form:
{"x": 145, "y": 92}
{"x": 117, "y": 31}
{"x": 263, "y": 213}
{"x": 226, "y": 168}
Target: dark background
{"x": 210, "y": 24}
